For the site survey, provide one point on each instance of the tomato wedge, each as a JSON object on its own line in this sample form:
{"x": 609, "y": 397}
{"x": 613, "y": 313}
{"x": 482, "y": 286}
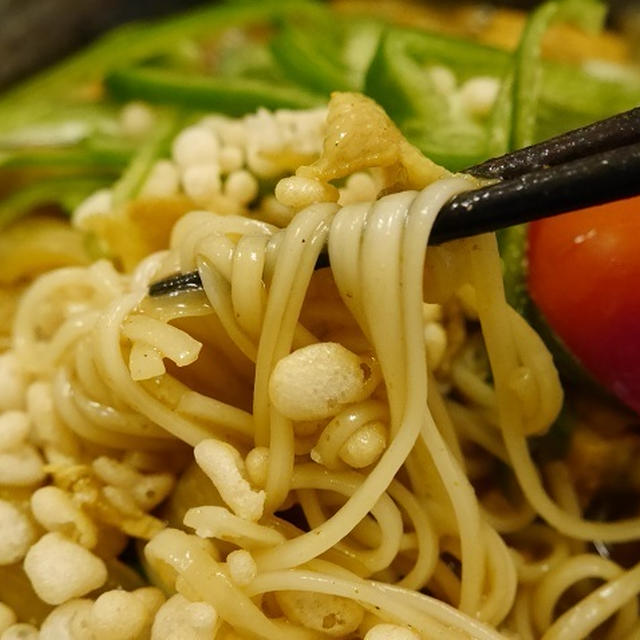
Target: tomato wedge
{"x": 584, "y": 276}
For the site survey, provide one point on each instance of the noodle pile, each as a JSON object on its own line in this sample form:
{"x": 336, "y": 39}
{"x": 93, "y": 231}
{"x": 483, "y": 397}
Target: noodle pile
{"x": 360, "y": 433}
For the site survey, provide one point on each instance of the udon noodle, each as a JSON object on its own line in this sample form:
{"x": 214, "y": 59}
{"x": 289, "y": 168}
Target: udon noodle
{"x": 363, "y": 477}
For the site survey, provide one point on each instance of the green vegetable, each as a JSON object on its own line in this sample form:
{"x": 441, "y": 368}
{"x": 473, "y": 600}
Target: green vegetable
{"x": 77, "y": 159}
{"x": 359, "y": 45}
{"x": 36, "y": 116}
{"x": 67, "y": 193}
{"x": 528, "y": 71}
{"x": 512, "y": 243}
{"x": 302, "y": 60}
{"x": 133, "y": 178}
{"x": 566, "y": 96}
{"x": 398, "y": 79}
{"x": 129, "y": 44}
{"x": 500, "y": 120}
{"x": 233, "y": 96}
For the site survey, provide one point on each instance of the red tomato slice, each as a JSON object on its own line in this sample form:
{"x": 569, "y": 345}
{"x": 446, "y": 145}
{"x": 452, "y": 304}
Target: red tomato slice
{"x": 584, "y": 276}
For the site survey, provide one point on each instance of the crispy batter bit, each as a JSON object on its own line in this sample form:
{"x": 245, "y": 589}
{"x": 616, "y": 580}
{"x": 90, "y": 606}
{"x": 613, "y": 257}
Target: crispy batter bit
{"x": 360, "y": 135}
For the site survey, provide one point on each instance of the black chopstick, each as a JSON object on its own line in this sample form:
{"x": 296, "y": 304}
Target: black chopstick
{"x": 586, "y": 182}
{"x": 582, "y": 168}
{"x": 618, "y": 131}
{"x": 177, "y": 283}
